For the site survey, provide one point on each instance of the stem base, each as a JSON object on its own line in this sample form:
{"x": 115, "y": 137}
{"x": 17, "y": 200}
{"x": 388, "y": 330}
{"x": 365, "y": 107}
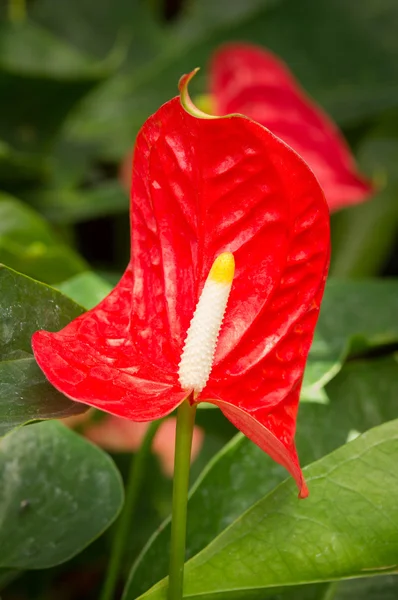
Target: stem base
{"x": 182, "y": 461}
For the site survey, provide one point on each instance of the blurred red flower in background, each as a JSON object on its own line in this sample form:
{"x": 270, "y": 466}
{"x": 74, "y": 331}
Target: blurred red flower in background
{"x": 205, "y": 187}
{"x": 252, "y": 81}
{"x": 116, "y": 434}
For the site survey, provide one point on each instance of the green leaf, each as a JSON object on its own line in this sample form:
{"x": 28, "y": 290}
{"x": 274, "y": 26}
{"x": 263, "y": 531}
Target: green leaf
{"x": 346, "y": 528}
{"x": 58, "y": 494}
{"x": 345, "y": 84}
{"x": 25, "y": 307}
{"x": 361, "y": 396}
{"x": 27, "y": 244}
{"x": 87, "y": 289}
{"x": 355, "y": 316}
{"x": 37, "y": 66}
{"x": 359, "y": 315}
{"x": 71, "y": 206}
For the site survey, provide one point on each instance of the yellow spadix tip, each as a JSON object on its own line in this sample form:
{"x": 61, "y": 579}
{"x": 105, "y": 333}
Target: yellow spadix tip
{"x": 223, "y": 268}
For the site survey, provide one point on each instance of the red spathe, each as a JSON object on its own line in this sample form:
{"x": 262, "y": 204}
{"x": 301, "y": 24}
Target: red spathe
{"x": 201, "y": 187}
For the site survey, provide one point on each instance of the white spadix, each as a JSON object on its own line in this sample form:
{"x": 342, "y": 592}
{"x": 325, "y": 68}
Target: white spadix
{"x": 200, "y": 344}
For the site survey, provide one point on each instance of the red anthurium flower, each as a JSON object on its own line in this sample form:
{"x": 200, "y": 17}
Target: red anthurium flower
{"x": 219, "y": 207}
{"x": 252, "y": 81}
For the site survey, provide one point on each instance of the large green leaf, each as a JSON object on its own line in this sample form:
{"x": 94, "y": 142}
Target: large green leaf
{"x": 28, "y": 245}
{"x": 41, "y": 79}
{"x": 361, "y": 396}
{"x": 25, "y": 307}
{"x": 347, "y": 527}
{"x": 351, "y": 80}
{"x": 58, "y": 493}
{"x": 355, "y": 316}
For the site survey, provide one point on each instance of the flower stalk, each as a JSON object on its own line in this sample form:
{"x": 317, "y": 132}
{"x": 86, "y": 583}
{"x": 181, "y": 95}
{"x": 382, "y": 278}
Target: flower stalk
{"x": 184, "y": 432}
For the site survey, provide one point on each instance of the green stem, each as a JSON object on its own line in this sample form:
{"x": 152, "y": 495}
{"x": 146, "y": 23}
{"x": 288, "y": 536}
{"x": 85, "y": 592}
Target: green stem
{"x": 182, "y": 460}
{"x": 17, "y": 10}
{"x": 123, "y": 527}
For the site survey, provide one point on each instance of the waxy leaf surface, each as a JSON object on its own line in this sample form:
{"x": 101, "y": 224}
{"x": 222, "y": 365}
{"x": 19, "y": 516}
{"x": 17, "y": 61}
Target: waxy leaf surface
{"x": 252, "y": 81}
{"x": 203, "y": 186}
{"x": 362, "y": 396}
{"x": 25, "y": 394}
{"x": 347, "y": 528}
{"x": 58, "y": 493}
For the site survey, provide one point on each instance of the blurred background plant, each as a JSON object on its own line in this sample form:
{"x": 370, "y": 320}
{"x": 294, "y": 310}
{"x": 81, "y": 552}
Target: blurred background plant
{"x": 77, "y": 80}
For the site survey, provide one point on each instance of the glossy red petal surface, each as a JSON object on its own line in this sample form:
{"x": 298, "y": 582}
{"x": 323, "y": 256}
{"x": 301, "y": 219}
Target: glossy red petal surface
{"x": 250, "y": 80}
{"x": 92, "y": 360}
{"x": 202, "y": 187}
